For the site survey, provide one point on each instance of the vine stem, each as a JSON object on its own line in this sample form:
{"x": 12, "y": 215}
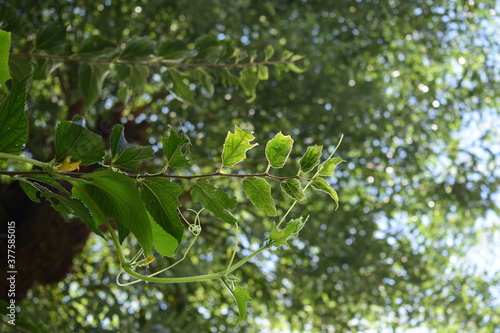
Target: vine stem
{"x": 24, "y": 159}
{"x": 208, "y": 175}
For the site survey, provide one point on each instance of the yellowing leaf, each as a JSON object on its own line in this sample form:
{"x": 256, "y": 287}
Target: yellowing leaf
{"x": 67, "y": 165}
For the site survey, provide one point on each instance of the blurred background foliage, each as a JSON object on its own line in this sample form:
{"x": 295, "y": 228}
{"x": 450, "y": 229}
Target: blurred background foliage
{"x": 413, "y": 86}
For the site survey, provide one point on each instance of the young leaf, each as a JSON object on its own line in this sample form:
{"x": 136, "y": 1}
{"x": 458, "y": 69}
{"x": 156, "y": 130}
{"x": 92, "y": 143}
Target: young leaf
{"x": 13, "y": 121}
{"x": 160, "y": 198}
{"x": 242, "y": 298}
{"x": 236, "y": 146}
{"x": 138, "y": 49}
{"x": 214, "y": 199}
{"x": 268, "y": 52}
{"x": 116, "y": 195}
{"x": 310, "y": 158}
{"x": 293, "y": 189}
{"x": 280, "y": 237}
{"x": 91, "y": 77}
{"x": 125, "y": 155}
{"x": 52, "y": 37}
{"x": 175, "y": 50}
{"x": 164, "y": 243}
{"x": 72, "y": 139}
{"x": 172, "y": 147}
{"x": 328, "y": 167}
{"x": 258, "y": 191}
{"x": 248, "y": 81}
{"x": 180, "y": 88}
{"x": 322, "y": 185}
{"x": 278, "y": 149}
{"x": 4, "y": 55}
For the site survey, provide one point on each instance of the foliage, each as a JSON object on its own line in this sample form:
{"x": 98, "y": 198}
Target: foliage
{"x": 404, "y": 80}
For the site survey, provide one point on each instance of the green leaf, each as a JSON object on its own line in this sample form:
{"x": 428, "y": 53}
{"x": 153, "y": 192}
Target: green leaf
{"x": 172, "y": 146}
{"x": 13, "y": 122}
{"x": 160, "y": 198}
{"x": 72, "y": 139}
{"x": 116, "y": 195}
{"x": 293, "y": 189}
{"x": 138, "y": 49}
{"x": 96, "y": 47}
{"x": 263, "y": 72}
{"x": 310, "y": 158}
{"x": 20, "y": 68}
{"x": 278, "y": 149}
{"x": 124, "y": 154}
{"x": 258, "y": 191}
{"x": 180, "y": 88}
{"x": 248, "y": 81}
{"x": 329, "y": 166}
{"x": 236, "y": 146}
{"x": 91, "y": 76}
{"x": 164, "y": 243}
{"x": 242, "y": 298}
{"x": 206, "y": 80}
{"x": 268, "y": 52}
{"x": 52, "y": 37}
{"x": 214, "y": 199}
{"x": 322, "y": 185}
{"x": 175, "y": 50}
{"x": 4, "y": 56}
{"x": 280, "y": 237}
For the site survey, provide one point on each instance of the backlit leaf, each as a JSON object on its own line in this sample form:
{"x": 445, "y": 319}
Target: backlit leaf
{"x": 13, "y": 121}
{"x": 280, "y": 237}
{"x": 242, "y": 298}
{"x": 258, "y": 191}
{"x": 236, "y": 146}
{"x": 329, "y": 166}
{"x": 310, "y": 158}
{"x": 164, "y": 243}
{"x": 4, "y": 55}
{"x": 124, "y": 154}
{"x": 293, "y": 189}
{"x": 278, "y": 149}
{"x": 322, "y": 185}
